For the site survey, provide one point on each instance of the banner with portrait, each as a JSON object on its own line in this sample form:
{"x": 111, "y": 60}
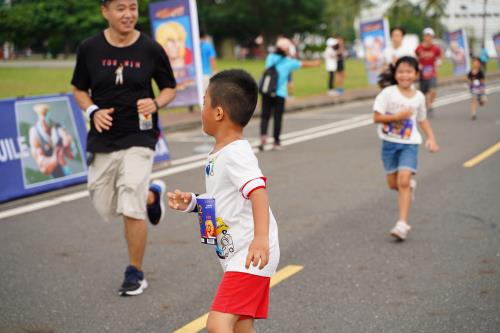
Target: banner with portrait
{"x": 496, "y": 42}
{"x": 459, "y": 52}
{"x": 174, "y": 24}
{"x": 43, "y": 145}
{"x": 374, "y": 35}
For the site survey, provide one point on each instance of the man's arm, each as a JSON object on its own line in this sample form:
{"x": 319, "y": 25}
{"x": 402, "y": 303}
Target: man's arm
{"x": 101, "y": 117}
{"x": 82, "y": 98}
{"x": 149, "y": 105}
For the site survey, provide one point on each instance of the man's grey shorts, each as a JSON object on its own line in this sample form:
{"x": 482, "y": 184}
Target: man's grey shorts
{"x": 118, "y": 182}
{"x": 428, "y": 84}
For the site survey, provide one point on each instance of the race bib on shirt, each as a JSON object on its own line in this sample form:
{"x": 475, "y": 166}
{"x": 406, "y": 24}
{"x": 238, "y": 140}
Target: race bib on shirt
{"x": 427, "y": 72}
{"x": 399, "y": 129}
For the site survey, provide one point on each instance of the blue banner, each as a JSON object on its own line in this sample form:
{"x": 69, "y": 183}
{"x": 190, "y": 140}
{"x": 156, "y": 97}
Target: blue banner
{"x": 459, "y": 52}
{"x": 162, "y": 153}
{"x": 375, "y": 38}
{"x": 42, "y": 145}
{"x": 175, "y": 26}
{"x": 496, "y": 41}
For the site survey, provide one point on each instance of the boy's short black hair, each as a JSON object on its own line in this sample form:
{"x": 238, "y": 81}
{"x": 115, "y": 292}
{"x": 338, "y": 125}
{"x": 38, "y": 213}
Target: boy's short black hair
{"x": 236, "y": 92}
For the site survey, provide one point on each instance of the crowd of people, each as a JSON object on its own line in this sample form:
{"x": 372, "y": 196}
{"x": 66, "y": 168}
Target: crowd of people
{"x": 117, "y": 96}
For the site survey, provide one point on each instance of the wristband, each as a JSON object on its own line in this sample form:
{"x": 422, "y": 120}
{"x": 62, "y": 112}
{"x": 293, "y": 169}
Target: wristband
{"x": 157, "y": 105}
{"x": 91, "y": 109}
{"x": 192, "y": 204}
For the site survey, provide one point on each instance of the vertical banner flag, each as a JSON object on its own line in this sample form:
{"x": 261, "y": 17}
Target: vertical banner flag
{"x": 496, "y": 42}
{"x": 374, "y": 35}
{"x": 174, "y": 25}
{"x": 42, "y": 145}
{"x": 459, "y": 52}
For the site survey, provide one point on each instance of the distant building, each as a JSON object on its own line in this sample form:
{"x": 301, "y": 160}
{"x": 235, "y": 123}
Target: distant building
{"x": 469, "y": 14}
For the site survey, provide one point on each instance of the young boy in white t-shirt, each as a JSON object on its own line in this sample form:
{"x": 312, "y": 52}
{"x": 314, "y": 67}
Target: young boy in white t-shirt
{"x": 247, "y": 232}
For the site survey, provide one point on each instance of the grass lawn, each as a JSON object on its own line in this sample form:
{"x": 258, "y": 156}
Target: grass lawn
{"x": 16, "y": 82}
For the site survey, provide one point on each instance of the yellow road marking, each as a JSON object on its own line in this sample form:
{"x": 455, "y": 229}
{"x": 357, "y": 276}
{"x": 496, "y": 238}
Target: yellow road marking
{"x": 481, "y": 157}
{"x": 199, "y": 323}
{"x": 285, "y": 273}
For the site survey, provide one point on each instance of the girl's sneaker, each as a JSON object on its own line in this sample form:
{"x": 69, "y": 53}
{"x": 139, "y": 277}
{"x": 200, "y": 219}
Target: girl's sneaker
{"x": 400, "y": 230}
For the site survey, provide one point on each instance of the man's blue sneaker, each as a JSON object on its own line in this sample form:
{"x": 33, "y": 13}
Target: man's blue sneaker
{"x": 156, "y": 211}
{"x": 134, "y": 283}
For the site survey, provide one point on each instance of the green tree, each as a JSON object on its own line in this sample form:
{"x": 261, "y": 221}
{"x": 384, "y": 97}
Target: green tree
{"x": 341, "y": 15}
{"x": 57, "y": 25}
{"x": 434, "y": 10}
{"x": 243, "y": 19}
{"x": 414, "y": 17}
{"x": 405, "y": 14}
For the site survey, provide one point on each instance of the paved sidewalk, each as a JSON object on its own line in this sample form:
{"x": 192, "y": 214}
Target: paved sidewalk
{"x": 177, "y": 121}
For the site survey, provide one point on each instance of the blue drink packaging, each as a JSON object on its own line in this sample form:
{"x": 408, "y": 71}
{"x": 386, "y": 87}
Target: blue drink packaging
{"x": 207, "y": 219}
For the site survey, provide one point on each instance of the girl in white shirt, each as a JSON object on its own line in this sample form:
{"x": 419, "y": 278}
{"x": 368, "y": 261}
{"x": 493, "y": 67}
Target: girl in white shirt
{"x": 397, "y": 109}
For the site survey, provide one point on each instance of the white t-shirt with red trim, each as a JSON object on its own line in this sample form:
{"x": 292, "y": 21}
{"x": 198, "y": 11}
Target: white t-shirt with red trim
{"x": 231, "y": 175}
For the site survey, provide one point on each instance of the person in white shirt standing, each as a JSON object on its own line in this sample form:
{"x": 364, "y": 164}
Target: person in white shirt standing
{"x": 245, "y": 226}
{"x": 330, "y": 56}
{"x": 397, "y": 109}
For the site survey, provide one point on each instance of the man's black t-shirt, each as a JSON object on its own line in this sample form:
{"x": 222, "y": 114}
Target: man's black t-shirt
{"x": 117, "y": 77}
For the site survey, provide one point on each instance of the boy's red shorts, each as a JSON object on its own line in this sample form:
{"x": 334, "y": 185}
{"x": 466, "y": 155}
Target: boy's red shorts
{"x": 243, "y": 294}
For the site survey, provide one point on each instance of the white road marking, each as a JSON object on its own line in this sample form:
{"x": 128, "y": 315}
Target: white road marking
{"x": 196, "y": 161}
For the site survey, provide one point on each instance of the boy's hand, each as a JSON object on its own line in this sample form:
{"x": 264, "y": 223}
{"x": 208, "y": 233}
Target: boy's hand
{"x": 405, "y": 114}
{"x": 258, "y": 251}
{"x": 179, "y": 200}
{"x": 431, "y": 145}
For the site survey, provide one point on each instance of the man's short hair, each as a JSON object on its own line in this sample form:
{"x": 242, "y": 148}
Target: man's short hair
{"x": 236, "y": 92}
{"x": 403, "y": 31}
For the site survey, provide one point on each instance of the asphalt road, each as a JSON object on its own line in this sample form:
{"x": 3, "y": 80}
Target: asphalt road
{"x": 61, "y": 266}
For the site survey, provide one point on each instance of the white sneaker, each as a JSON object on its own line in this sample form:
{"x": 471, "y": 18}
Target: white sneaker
{"x": 413, "y": 187}
{"x": 400, "y": 230}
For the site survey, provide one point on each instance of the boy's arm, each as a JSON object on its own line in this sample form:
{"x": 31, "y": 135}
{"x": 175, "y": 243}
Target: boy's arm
{"x": 430, "y": 143}
{"x": 259, "y": 248}
{"x": 183, "y": 201}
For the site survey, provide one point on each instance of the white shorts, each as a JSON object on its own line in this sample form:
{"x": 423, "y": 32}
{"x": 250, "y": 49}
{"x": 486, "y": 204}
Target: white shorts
{"x": 118, "y": 182}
